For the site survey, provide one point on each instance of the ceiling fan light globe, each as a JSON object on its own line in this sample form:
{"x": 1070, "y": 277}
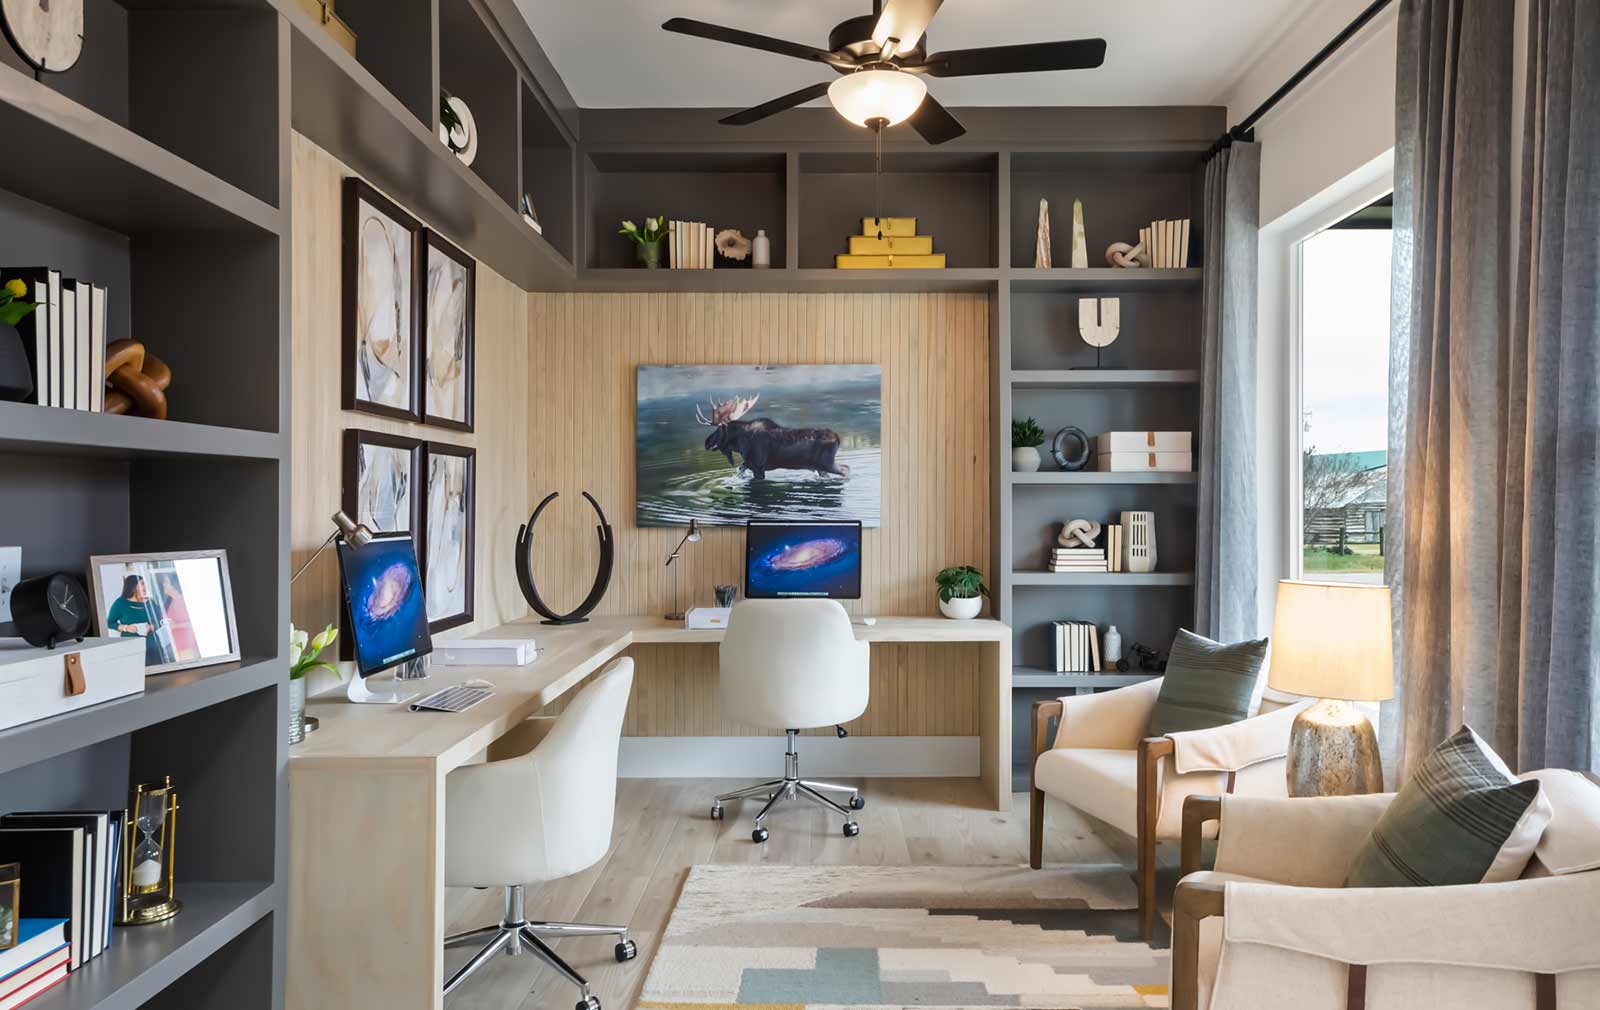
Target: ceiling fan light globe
{"x": 889, "y": 95}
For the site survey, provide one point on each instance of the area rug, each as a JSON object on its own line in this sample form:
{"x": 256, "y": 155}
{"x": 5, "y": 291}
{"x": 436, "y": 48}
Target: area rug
{"x": 905, "y": 936}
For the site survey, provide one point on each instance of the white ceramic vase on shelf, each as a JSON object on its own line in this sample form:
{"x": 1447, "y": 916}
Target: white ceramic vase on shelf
{"x": 1139, "y": 541}
{"x": 1111, "y": 651}
{"x": 761, "y": 250}
{"x": 961, "y": 608}
{"x": 1024, "y": 459}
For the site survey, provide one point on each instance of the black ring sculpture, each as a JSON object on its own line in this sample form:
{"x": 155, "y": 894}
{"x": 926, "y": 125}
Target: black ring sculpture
{"x": 1070, "y": 448}
{"x": 602, "y": 578}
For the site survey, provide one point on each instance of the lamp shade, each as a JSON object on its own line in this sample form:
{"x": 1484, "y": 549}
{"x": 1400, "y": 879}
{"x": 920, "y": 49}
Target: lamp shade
{"x": 890, "y": 95}
{"x": 1332, "y": 640}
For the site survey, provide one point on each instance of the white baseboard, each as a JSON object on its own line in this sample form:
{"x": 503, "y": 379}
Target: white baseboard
{"x": 713, "y": 757}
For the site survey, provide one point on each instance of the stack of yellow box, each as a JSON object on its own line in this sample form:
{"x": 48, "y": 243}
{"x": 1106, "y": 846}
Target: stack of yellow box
{"x": 899, "y": 246}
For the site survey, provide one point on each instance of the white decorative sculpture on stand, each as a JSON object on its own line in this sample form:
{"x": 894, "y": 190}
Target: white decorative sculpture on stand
{"x": 1080, "y": 244}
{"x": 1041, "y": 245}
{"x": 1139, "y": 541}
{"x": 1099, "y": 322}
{"x": 1079, "y": 533}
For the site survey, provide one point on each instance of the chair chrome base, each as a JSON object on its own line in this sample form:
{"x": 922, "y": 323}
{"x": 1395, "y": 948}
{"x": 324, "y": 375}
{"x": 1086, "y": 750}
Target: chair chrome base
{"x": 791, "y": 787}
{"x": 515, "y": 934}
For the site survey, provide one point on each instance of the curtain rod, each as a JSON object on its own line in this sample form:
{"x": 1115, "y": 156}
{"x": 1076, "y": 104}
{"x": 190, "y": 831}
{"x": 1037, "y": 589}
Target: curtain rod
{"x": 1245, "y": 131}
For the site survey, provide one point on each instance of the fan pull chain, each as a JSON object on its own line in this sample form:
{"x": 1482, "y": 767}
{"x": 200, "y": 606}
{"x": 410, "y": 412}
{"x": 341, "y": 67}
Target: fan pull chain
{"x": 877, "y": 179}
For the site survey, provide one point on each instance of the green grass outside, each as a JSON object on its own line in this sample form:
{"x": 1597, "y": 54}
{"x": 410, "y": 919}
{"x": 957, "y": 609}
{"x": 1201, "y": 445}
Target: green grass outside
{"x": 1365, "y": 559}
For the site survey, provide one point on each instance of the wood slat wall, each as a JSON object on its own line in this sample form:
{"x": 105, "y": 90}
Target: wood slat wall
{"x": 319, "y": 423}
{"x": 934, "y": 351}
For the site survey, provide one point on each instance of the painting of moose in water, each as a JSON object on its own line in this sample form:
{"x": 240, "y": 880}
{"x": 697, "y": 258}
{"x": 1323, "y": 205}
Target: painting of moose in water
{"x": 726, "y": 443}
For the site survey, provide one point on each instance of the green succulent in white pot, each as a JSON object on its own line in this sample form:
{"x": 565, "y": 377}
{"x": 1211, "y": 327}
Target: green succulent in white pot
{"x": 305, "y": 656}
{"x": 961, "y": 592}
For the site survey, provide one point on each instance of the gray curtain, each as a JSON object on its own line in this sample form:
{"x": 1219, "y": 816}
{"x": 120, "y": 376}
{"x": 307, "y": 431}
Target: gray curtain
{"x": 1493, "y": 403}
{"x": 1225, "y": 549}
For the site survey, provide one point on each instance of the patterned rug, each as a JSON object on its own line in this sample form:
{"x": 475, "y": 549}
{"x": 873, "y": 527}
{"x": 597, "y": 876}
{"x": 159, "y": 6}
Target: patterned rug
{"x": 905, "y": 936}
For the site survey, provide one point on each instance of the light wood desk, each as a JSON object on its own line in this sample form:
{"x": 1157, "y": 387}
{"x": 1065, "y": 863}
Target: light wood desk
{"x": 366, "y": 796}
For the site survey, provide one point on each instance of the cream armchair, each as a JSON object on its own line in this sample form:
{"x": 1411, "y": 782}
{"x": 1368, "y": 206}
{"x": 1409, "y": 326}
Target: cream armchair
{"x": 1272, "y": 927}
{"x": 1103, "y": 764}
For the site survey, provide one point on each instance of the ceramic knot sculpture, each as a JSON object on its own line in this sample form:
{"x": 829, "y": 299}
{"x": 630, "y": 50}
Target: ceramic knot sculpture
{"x": 1079, "y": 533}
{"x": 1128, "y": 257}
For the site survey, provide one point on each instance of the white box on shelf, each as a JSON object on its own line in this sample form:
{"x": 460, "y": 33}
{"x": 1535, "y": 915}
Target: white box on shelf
{"x": 1153, "y": 462}
{"x": 1143, "y": 441}
{"x": 485, "y": 652}
{"x": 705, "y": 618}
{"x": 33, "y": 681}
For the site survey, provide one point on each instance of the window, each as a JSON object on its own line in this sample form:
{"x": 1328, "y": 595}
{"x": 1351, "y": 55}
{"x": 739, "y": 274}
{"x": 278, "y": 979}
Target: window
{"x": 1343, "y": 376}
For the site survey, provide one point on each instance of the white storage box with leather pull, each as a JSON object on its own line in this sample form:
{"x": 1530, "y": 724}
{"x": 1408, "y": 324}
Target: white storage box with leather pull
{"x": 1152, "y": 451}
{"x": 39, "y": 683}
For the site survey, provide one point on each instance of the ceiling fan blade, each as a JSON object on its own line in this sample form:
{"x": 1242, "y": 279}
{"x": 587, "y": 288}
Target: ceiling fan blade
{"x": 934, "y": 122}
{"x": 750, "y": 40}
{"x": 1078, "y": 54}
{"x": 905, "y": 20}
{"x": 775, "y": 106}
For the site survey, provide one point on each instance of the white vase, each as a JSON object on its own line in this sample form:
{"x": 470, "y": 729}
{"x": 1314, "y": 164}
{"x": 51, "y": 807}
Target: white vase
{"x": 961, "y": 608}
{"x": 1111, "y": 651}
{"x": 297, "y": 710}
{"x": 760, "y": 250}
{"x": 1024, "y": 459}
{"x": 1139, "y": 541}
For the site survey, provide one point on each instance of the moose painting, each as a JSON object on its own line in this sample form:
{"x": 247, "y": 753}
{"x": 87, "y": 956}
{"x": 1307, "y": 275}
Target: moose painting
{"x": 726, "y": 443}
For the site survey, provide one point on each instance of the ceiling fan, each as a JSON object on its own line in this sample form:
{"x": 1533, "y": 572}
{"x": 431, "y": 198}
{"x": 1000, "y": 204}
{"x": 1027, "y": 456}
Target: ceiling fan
{"x": 882, "y": 58}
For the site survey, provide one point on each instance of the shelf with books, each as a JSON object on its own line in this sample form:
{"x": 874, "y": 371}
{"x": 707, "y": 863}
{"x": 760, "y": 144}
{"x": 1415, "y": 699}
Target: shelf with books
{"x": 28, "y": 428}
{"x": 1096, "y": 478}
{"x": 1029, "y": 677}
{"x": 166, "y": 696}
{"x": 1121, "y": 580}
{"x": 144, "y": 960}
{"x": 820, "y": 281}
{"x": 1102, "y": 378}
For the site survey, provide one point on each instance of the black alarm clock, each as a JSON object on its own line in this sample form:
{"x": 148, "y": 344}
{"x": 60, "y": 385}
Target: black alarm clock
{"x": 50, "y": 609}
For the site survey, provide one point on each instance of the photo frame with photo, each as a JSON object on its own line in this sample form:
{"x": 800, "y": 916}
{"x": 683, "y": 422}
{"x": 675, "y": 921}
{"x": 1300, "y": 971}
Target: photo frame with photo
{"x": 382, "y": 481}
{"x": 449, "y": 308}
{"x": 179, "y": 602}
{"x": 448, "y": 538}
{"x": 382, "y": 357}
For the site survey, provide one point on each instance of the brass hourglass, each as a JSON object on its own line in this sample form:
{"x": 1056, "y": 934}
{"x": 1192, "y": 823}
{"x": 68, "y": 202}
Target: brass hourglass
{"x": 148, "y": 841}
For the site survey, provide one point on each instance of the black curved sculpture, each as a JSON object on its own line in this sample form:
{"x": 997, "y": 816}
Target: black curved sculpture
{"x": 602, "y": 578}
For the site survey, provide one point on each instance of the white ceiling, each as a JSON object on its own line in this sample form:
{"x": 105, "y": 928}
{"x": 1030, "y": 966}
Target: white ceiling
{"x": 613, "y": 53}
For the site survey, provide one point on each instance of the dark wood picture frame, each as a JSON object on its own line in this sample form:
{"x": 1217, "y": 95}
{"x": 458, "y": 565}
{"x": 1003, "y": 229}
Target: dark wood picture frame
{"x": 435, "y": 243}
{"x": 354, "y": 440}
{"x": 357, "y": 192}
{"x": 469, "y": 532}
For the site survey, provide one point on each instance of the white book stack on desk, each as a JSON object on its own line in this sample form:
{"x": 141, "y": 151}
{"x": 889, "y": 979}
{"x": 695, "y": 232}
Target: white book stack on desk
{"x": 486, "y": 652}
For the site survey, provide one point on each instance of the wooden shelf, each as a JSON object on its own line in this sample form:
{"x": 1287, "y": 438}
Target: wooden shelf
{"x": 30, "y": 428}
{"x": 165, "y": 696}
{"x": 1097, "y": 478}
{"x": 144, "y": 960}
{"x": 1120, "y": 580}
{"x": 1035, "y": 677}
{"x": 343, "y": 108}
{"x": 1102, "y": 378}
{"x": 71, "y": 158}
{"x": 778, "y": 280}
{"x": 1101, "y": 280}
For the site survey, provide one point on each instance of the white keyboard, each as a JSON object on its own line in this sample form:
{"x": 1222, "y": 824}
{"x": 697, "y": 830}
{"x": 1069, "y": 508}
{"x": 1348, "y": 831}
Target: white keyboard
{"x": 452, "y": 699}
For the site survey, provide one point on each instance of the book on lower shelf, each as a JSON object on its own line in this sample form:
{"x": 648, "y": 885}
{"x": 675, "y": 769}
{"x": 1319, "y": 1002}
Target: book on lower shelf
{"x": 1077, "y": 647}
{"x": 40, "y": 959}
{"x": 1078, "y": 559}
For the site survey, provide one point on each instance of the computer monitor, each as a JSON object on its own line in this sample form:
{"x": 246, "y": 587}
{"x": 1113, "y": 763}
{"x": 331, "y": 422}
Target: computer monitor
{"x": 388, "y": 619}
{"x": 784, "y": 560}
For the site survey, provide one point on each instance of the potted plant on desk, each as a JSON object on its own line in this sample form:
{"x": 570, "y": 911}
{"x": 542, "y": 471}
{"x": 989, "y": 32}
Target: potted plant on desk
{"x": 1026, "y": 437}
{"x": 303, "y": 653}
{"x": 961, "y": 592}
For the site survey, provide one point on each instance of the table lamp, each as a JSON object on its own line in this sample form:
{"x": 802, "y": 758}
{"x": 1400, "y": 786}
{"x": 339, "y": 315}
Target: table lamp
{"x": 691, "y": 537}
{"x": 1332, "y": 641}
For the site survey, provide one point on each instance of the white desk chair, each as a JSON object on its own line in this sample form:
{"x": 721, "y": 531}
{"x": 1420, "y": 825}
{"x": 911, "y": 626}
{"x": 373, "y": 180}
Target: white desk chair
{"x": 793, "y": 665}
{"x": 540, "y": 809}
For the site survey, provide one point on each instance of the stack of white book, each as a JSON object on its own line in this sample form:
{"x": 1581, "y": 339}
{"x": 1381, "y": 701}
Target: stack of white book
{"x": 1077, "y": 647}
{"x": 1149, "y": 451}
{"x": 1114, "y": 547}
{"x": 1078, "y": 559}
{"x": 691, "y": 245}
{"x": 1167, "y": 243}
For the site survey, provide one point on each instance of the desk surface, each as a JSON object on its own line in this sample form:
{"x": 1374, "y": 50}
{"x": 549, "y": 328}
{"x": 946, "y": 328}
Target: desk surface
{"x": 567, "y": 655}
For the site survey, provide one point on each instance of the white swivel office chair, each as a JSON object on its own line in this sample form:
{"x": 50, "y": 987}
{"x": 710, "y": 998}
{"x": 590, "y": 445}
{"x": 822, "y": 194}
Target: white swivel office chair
{"x": 540, "y": 809}
{"x": 793, "y": 665}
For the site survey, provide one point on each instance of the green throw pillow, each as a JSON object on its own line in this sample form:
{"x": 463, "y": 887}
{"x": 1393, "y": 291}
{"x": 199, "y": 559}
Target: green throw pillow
{"x": 1463, "y": 818}
{"x": 1207, "y": 684}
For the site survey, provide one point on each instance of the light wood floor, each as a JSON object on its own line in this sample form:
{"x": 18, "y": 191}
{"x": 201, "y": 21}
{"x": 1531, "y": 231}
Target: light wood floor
{"x": 663, "y": 827}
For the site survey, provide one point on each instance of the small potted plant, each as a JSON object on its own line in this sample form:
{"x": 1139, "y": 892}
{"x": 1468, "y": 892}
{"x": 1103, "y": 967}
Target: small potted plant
{"x": 961, "y": 592}
{"x": 1026, "y": 437}
{"x": 14, "y": 306}
{"x": 303, "y": 653}
{"x": 648, "y": 239}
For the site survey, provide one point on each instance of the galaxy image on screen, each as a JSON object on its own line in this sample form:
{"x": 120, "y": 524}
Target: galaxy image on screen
{"x": 389, "y": 622}
{"x": 803, "y": 559}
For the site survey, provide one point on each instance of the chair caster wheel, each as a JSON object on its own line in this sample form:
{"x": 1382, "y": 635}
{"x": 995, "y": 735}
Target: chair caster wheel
{"x": 858, "y": 802}
{"x": 627, "y": 950}
{"x": 851, "y": 829}
{"x": 759, "y": 835}
{"x": 588, "y": 1003}
{"x": 716, "y": 811}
